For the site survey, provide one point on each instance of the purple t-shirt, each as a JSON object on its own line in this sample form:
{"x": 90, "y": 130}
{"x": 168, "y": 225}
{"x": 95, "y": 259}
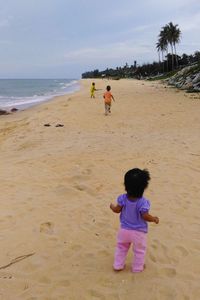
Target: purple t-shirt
{"x": 130, "y": 216}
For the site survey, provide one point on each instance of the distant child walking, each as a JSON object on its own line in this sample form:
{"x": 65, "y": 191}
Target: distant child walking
{"x": 108, "y": 97}
{"x": 134, "y": 215}
{"x": 92, "y": 90}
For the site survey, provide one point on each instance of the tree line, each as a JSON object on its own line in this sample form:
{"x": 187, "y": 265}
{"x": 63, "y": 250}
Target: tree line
{"x": 168, "y": 60}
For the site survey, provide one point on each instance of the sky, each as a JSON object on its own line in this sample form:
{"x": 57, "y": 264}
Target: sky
{"x": 65, "y": 38}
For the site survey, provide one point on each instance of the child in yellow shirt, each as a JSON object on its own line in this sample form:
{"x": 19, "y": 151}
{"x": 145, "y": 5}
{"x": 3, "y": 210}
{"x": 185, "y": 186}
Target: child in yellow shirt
{"x": 92, "y": 90}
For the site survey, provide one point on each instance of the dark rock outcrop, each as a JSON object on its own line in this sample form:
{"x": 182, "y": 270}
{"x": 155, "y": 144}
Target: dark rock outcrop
{"x": 187, "y": 79}
{"x": 14, "y": 109}
{"x": 4, "y": 112}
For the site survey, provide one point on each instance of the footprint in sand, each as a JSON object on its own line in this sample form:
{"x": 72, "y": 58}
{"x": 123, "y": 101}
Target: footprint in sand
{"x": 5, "y": 276}
{"x": 76, "y": 247}
{"x": 81, "y": 177}
{"x": 28, "y": 145}
{"x": 63, "y": 283}
{"x": 181, "y": 251}
{"x": 84, "y": 188}
{"x": 160, "y": 252}
{"x": 167, "y": 293}
{"x": 104, "y": 252}
{"x": 96, "y": 295}
{"x": 44, "y": 280}
{"x": 186, "y": 297}
{"x": 169, "y": 272}
{"x": 80, "y": 187}
{"x": 47, "y": 227}
{"x": 99, "y": 187}
{"x": 6, "y": 221}
{"x": 152, "y": 257}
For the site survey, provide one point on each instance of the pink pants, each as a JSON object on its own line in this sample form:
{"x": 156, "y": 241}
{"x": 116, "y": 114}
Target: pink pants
{"x": 124, "y": 240}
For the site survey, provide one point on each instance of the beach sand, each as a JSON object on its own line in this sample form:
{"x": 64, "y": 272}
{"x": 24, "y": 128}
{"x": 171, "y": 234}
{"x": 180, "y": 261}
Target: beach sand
{"x": 57, "y": 233}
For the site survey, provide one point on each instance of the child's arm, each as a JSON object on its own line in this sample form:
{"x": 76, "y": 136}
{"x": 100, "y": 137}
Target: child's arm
{"x": 115, "y": 208}
{"x": 113, "y": 98}
{"x": 149, "y": 218}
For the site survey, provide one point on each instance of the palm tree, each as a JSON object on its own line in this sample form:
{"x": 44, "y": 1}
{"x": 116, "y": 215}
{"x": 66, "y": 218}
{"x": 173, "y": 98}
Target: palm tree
{"x": 162, "y": 45}
{"x": 158, "y": 47}
{"x": 170, "y": 34}
{"x": 176, "y": 39}
{"x": 173, "y": 36}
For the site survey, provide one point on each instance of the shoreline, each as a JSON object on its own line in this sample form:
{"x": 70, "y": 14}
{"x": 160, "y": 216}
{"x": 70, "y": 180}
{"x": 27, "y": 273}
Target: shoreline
{"x": 37, "y": 99}
{"x": 57, "y": 184}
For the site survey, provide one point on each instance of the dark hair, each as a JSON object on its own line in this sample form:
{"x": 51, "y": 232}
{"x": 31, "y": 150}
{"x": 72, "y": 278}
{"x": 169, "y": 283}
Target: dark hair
{"x": 108, "y": 88}
{"x": 93, "y": 83}
{"x": 136, "y": 181}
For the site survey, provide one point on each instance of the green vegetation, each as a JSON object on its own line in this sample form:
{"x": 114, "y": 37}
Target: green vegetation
{"x": 146, "y": 71}
{"x": 163, "y": 76}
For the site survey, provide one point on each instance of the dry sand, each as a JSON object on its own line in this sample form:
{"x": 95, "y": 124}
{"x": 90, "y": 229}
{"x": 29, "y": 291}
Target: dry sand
{"x": 57, "y": 184}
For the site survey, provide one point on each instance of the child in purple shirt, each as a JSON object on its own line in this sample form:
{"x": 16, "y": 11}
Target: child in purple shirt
{"x": 134, "y": 215}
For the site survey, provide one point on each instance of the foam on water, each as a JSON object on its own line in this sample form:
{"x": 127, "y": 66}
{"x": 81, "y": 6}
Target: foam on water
{"x": 23, "y": 93}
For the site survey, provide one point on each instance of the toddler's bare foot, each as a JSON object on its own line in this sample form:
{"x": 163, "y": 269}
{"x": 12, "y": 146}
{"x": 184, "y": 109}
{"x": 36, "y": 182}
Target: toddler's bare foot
{"x": 118, "y": 270}
{"x": 144, "y": 267}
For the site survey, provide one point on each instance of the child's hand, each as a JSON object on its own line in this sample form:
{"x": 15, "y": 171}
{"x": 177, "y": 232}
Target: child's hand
{"x": 156, "y": 220}
{"x": 115, "y": 208}
{"x": 111, "y": 206}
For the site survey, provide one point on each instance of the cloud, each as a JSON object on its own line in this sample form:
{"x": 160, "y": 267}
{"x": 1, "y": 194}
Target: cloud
{"x": 171, "y": 4}
{"x": 112, "y": 52}
{"x": 5, "y": 22}
{"x": 190, "y": 23}
{"x": 5, "y": 42}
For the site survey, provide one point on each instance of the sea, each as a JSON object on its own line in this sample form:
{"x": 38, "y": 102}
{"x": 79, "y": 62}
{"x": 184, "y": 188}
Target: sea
{"x": 24, "y": 93}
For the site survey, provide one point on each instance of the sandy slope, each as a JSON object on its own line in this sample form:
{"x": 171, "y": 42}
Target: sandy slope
{"x": 57, "y": 184}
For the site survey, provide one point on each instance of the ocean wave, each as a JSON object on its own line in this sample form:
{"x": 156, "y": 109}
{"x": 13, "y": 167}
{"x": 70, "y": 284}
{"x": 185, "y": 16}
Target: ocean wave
{"x": 44, "y": 90}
